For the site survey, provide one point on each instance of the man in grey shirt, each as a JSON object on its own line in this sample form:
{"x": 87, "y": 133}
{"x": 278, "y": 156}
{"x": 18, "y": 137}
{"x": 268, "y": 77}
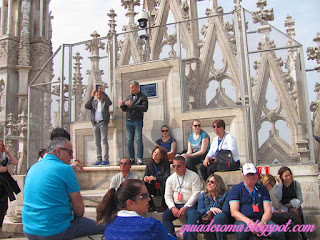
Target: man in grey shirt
{"x": 125, "y": 166}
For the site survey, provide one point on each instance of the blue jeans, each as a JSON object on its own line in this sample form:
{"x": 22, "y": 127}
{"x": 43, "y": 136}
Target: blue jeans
{"x": 79, "y": 227}
{"x": 134, "y": 128}
{"x": 246, "y": 235}
{"x": 191, "y": 216}
{"x": 100, "y": 133}
{"x": 219, "y": 219}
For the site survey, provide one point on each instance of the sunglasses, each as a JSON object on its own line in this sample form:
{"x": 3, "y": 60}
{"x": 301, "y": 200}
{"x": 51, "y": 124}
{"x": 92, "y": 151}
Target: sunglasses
{"x": 197, "y": 125}
{"x": 142, "y": 196}
{"x": 214, "y": 126}
{"x": 165, "y": 130}
{"x": 124, "y": 163}
{"x": 176, "y": 166}
{"x": 69, "y": 150}
{"x": 211, "y": 181}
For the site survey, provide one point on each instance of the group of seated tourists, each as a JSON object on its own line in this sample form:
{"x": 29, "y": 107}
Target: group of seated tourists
{"x": 245, "y": 210}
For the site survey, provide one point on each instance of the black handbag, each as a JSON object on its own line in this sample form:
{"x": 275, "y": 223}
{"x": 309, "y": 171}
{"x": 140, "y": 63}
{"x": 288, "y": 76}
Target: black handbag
{"x": 225, "y": 161}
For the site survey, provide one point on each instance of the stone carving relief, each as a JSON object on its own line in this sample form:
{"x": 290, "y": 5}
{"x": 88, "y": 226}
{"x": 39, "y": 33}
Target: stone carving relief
{"x": 2, "y": 96}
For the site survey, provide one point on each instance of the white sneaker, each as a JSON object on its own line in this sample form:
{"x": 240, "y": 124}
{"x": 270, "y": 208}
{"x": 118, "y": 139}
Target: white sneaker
{"x": 139, "y": 161}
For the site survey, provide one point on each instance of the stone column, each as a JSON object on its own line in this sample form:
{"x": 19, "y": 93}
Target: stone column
{"x": 41, "y": 19}
{"x": 2, "y": 19}
{"x": 9, "y": 21}
{"x": 77, "y": 85}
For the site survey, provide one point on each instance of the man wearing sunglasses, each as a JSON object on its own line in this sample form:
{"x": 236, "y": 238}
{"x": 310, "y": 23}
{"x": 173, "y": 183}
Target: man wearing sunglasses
{"x": 250, "y": 205}
{"x": 181, "y": 195}
{"x": 124, "y": 174}
{"x": 53, "y": 207}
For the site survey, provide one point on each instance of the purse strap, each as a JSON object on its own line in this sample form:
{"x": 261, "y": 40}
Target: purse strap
{"x": 220, "y": 145}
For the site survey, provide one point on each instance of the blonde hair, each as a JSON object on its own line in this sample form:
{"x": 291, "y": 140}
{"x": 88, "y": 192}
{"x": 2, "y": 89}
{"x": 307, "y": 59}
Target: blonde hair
{"x": 268, "y": 179}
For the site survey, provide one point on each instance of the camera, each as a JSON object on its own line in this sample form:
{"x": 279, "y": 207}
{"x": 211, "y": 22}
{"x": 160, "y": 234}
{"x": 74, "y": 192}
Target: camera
{"x": 4, "y": 162}
{"x": 143, "y": 19}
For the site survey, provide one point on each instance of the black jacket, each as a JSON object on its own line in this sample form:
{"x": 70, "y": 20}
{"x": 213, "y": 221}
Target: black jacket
{"x": 138, "y": 107}
{"x": 9, "y": 185}
{"x": 163, "y": 169}
{"x": 93, "y": 103}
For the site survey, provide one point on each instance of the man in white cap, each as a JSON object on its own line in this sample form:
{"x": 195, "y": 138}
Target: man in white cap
{"x": 250, "y": 205}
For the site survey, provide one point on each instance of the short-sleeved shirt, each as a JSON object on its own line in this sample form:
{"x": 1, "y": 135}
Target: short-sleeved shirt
{"x": 167, "y": 144}
{"x": 196, "y": 144}
{"x": 240, "y": 193}
{"x": 47, "y": 209}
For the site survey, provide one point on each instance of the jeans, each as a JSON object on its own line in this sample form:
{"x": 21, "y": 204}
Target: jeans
{"x": 246, "y": 235}
{"x": 80, "y": 226}
{"x": 219, "y": 219}
{"x": 134, "y": 128}
{"x": 100, "y": 133}
{"x": 191, "y": 216}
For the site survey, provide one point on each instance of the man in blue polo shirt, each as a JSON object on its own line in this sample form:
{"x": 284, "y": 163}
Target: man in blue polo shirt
{"x": 250, "y": 205}
{"x": 53, "y": 207}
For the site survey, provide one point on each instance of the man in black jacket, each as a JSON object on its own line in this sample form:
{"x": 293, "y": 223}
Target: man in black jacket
{"x": 99, "y": 105}
{"x": 135, "y": 105}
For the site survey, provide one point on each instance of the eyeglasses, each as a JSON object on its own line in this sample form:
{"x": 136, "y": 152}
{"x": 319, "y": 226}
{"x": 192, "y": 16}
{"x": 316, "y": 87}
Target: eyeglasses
{"x": 176, "y": 166}
{"x": 214, "y": 126}
{"x": 142, "y": 196}
{"x": 196, "y": 125}
{"x": 124, "y": 163}
{"x": 165, "y": 130}
{"x": 69, "y": 150}
{"x": 211, "y": 181}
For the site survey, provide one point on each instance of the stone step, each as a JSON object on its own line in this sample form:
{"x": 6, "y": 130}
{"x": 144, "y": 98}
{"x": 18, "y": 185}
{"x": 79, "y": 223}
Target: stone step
{"x": 91, "y": 198}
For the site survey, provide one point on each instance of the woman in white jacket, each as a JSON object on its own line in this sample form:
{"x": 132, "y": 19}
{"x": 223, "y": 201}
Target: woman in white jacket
{"x": 223, "y": 141}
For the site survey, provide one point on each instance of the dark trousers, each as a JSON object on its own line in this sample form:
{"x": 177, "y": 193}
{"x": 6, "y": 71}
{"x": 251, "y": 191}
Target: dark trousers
{"x": 151, "y": 187}
{"x": 207, "y": 171}
{"x": 283, "y": 218}
{"x": 192, "y": 162}
{"x": 3, "y": 205}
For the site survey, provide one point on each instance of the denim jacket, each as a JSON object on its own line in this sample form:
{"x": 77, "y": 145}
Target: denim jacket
{"x": 205, "y": 202}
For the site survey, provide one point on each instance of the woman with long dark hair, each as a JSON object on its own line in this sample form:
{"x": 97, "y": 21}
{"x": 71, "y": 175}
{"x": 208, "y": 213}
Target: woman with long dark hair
{"x": 121, "y": 211}
{"x": 8, "y": 185}
{"x": 156, "y": 173}
{"x": 289, "y": 194}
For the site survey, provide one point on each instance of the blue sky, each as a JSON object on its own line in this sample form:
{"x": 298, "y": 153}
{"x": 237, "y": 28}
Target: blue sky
{"x": 75, "y": 20}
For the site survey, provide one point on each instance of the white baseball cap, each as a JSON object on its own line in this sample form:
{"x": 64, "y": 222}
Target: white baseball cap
{"x": 248, "y": 168}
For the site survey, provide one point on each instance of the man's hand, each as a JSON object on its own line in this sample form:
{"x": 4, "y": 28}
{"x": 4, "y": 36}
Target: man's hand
{"x": 77, "y": 165}
{"x": 182, "y": 212}
{"x": 260, "y": 223}
{"x": 175, "y": 212}
{"x": 129, "y": 103}
{"x": 94, "y": 93}
{"x": 121, "y": 103}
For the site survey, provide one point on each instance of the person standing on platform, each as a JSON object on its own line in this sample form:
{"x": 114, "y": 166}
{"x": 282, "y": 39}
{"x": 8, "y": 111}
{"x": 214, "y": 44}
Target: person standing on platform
{"x": 99, "y": 105}
{"x": 124, "y": 174}
{"x": 135, "y": 105}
